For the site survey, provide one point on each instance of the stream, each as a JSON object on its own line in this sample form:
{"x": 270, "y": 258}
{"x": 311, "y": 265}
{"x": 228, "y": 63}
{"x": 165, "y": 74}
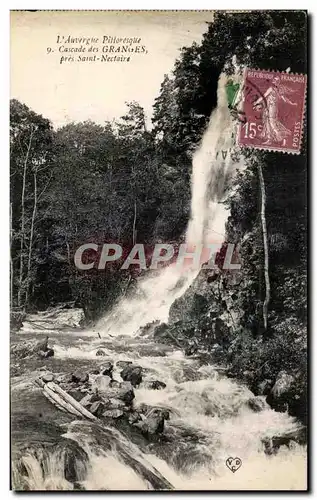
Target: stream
{"x": 210, "y": 420}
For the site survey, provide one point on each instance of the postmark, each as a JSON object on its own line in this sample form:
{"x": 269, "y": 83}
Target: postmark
{"x": 273, "y": 106}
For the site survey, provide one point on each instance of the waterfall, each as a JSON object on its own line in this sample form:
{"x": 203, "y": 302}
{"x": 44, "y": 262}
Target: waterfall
{"x": 212, "y": 171}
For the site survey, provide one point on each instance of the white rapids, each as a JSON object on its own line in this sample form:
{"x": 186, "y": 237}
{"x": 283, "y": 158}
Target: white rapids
{"x": 210, "y": 420}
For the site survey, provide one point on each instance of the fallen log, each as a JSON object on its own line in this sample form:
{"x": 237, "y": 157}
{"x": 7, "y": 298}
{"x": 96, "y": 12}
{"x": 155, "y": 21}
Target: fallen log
{"x": 63, "y": 400}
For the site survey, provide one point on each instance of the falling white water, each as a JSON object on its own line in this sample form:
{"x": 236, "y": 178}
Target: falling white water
{"x": 212, "y": 172}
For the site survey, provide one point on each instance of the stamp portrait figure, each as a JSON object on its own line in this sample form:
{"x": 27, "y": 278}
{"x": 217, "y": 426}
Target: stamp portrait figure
{"x": 273, "y": 129}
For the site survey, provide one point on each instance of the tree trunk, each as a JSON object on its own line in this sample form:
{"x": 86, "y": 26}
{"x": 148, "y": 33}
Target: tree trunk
{"x": 134, "y": 223}
{"x": 266, "y": 248}
{"x": 23, "y": 220}
{"x": 11, "y": 261}
{"x": 31, "y": 242}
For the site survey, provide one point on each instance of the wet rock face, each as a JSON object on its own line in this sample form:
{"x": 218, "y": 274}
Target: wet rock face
{"x": 73, "y": 460}
{"x": 160, "y": 330}
{"x": 132, "y": 374}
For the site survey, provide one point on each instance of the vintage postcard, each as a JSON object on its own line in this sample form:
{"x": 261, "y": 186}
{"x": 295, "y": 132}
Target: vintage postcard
{"x": 158, "y": 230}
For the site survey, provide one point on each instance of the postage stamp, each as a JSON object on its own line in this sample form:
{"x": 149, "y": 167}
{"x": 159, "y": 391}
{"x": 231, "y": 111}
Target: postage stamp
{"x": 273, "y": 110}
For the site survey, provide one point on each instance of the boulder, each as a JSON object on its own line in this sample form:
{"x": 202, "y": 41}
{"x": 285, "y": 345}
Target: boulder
{"x": 89, "y": 399}
{"x": 148, "y": 410}
{"x": 47, "y": 354}
{"x": 155, "y": 424}
{"x": 16, "y": 320}
{"x": 97, "y": 408}
{"x": 134, "y": 417}
{"x": 31, "y": 349}
{"x": 123, "y": 364}
{"x": 95, "y": 371}
{"x": 28, "y": 349}
{"x": 114, "y": 384}
{"x": 47, "y": 377}
{"x": 68, "y": 378}
{"x": 283, "y": 383}
{"x": 272, "y": 444}
{"x": 101, "y": 383}
{"x": 190, "y": 350}
{"x": 165, "y": 414}
{"x": 107, "y": 368}
{"x": 41, "y": 346}
{"x": 100, "y": 352}
{"x": 80, "y": 376}
{"x": 157, "y": 385}
{"x": 126, "y": 393}
{"x": 161, "y": 329}
{"x": 256, "y": 404}
{"x": 115, "y": 413}
{"x": 78, "y": 487}
{"x": 152, "y": 425}
{"x": 83, "y": 390}
{"x": 75, "y": 393}
{"x": 133, "y": 374}
{"x": 280, "y": 395}
{"x": 116, "y": 404}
